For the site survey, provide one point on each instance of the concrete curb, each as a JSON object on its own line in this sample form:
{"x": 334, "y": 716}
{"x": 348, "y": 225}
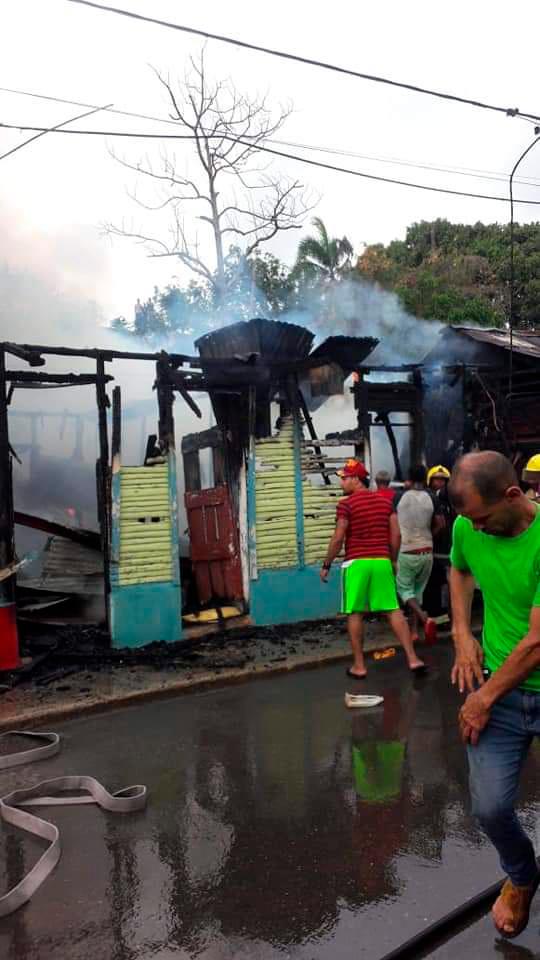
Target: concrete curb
{"x": 173, "y": 688}
{"x": 66, "y": 711}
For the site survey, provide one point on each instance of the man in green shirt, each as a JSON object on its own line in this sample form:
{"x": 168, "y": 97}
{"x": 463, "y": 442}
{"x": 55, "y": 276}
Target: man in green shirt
{"x": 496, "y": 542}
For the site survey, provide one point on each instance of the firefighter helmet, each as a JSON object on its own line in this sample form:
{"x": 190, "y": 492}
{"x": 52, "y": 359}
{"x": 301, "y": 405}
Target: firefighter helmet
{"x": 531, "y": 471}
{"x": 438, "y": 471}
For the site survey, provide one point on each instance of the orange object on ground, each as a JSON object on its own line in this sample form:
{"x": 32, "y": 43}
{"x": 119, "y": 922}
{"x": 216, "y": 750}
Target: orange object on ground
{"x": 9, "y": 639}
{"x": 384, "y": 654}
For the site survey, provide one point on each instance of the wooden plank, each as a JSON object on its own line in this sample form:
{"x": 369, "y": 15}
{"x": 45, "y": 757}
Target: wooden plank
{"x": 202, "y": 440}
{"x": 192, "y": 471}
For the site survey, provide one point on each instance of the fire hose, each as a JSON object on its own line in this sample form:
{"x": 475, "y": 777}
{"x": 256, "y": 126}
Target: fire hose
{"x": 45, "y": 793}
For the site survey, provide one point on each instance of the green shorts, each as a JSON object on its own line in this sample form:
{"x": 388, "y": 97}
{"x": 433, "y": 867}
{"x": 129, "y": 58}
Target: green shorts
{"x": 413, "y": 573}
{"x": 368, "y": 586}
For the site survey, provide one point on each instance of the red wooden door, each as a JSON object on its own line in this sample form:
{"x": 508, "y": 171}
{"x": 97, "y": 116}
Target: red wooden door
{"x": 215, "y": 553}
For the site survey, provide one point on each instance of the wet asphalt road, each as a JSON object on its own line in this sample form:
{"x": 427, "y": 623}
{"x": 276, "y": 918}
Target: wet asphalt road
{"x": 280, "y": 825}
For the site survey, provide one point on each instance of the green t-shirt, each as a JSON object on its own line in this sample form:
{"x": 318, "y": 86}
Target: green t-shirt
{"x": 507, "y": 570}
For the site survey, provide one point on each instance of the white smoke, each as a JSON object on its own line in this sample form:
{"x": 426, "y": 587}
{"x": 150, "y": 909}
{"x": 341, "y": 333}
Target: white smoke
{"x": 45, "y": 285}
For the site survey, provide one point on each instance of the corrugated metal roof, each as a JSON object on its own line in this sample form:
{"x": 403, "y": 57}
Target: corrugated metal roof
{"x": 270, "y": 339}
{"x": 523, "y": 342}
{"x": 70, "y": 568}
{"x": 348, "y": 352}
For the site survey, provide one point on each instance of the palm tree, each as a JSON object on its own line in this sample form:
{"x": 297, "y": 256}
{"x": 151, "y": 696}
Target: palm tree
{"x": 323, "y": 258}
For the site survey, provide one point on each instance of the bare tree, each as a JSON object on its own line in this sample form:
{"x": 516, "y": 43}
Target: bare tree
{"x": 241, "y": 201}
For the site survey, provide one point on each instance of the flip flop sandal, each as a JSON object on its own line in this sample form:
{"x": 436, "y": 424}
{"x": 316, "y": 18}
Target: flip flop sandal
{"x": 356, "y": 676}
{"x": 362, "y": 700}
{"x": 518, "y": 900}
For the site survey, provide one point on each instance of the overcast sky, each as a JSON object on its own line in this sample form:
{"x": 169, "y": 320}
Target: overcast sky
{"x": 55, "y": 194}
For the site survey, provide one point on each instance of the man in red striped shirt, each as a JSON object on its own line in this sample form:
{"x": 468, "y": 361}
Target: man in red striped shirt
{"x": 367, "y": 524}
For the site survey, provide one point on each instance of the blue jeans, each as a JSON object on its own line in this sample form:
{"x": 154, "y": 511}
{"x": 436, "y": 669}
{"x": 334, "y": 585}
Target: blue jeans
{"x": 494, "y": 769}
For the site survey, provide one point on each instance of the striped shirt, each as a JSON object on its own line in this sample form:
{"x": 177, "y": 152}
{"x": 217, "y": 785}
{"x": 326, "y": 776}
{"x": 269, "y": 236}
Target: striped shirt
{"x": 368, "y": 531}
{"x": 387, "y": 492}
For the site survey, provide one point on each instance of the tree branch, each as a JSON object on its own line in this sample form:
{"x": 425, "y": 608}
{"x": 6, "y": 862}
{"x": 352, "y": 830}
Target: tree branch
{"x": 227, "y": 128}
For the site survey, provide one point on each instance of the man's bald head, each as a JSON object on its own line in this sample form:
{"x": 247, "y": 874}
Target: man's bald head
{"x": 488, "y": 473}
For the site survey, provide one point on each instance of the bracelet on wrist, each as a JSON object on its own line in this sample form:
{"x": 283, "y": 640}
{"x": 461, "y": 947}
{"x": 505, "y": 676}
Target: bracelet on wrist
{"x": 327, "y": 564}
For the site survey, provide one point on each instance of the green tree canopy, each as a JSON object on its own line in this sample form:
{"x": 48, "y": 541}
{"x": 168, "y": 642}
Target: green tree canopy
{"x": 460, "y": 273}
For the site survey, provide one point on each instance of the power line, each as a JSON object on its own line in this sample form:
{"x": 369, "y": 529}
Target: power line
{"x": 79, "y": 103}
{"x": 460, "y": 171}
{"x": 45, "y": 130}
{"x": 277, "y": 153}
{"x": 496, "y": 176}
{"x": 508, "y": 111}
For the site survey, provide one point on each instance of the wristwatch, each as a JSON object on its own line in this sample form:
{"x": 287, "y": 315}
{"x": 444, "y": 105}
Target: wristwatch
{"x": 326, "y": 565}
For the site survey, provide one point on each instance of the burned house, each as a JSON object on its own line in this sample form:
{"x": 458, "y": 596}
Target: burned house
{"x": 259, "y": 500}
{"x": 259, "y": 533}
{"x": 476, "y": 389}
{"x": 482, "y": 391}
{"x": 257, "y": 487}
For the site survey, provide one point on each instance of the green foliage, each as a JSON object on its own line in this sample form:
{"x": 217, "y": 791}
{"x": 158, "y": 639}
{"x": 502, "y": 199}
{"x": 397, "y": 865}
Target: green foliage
{"x": 460, "y": 273}
{"x": 260, "y": 285}
{"x": 446, "y": 272}
{"x": 321, "y": 257}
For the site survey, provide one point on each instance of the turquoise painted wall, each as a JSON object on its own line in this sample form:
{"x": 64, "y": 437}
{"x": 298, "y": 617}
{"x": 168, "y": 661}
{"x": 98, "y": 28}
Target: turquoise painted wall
{"x": 144, "y": 613}
{"x": 292, "y": 594}
{"x": 145, "y": 592}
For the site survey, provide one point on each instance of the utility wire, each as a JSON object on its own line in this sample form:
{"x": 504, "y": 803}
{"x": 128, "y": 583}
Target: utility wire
{"x": 508, "y": 111}
{"x": 45, "y": 130}
{"x": 79, "y": 103}
{"x": 495, "y": 175}
{"x": 276, "y": 153}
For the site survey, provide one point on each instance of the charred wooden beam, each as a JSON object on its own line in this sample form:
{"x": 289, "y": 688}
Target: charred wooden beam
{"x": 7, "y": 540}
{"x": 178, "y": 382}
{"x": 116, "y": 435}
{"x": 165, "y": 395}
{"x": 312, "y": 431}
{"x": 219, "y": 465}
{"x": 192, "y": 471}
{"x": 88, "y": 538}
{"x": 94, "y": 353}
{"x": 384, "y": 419}
{"x": 344, "y": 438}
{"x": 417, "y": 431}
{"x": 388, "y": 368}
{"x": 29, "y": 354}
{"x": 103, "y": 472}
{"x": 201, "y": 441}
{"x": 80, "y": 379}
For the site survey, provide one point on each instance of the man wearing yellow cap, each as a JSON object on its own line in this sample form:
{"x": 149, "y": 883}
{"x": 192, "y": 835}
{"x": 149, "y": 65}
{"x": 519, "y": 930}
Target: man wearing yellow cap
{"x": 531, "y": 476}
{"x": 438, "y": 478}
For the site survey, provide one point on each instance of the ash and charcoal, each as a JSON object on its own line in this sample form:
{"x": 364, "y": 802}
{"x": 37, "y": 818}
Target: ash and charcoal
{"x": 72, "y": 658}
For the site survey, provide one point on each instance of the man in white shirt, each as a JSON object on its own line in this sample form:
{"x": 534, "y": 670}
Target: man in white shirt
{"x": 419, "y": 518}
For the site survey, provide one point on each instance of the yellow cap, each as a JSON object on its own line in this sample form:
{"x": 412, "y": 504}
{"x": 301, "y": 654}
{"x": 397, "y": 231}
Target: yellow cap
{"x": 438, "y": 471}
{"x": 531, "y": 472}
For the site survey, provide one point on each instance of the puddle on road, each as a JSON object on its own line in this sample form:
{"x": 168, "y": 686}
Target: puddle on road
{"x": 280, "y": 825}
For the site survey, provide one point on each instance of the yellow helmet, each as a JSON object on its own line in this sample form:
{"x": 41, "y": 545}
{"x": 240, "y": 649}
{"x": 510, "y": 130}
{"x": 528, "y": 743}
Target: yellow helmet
{"x": 531, "y": 471}
{"x": 438, "y": 471}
